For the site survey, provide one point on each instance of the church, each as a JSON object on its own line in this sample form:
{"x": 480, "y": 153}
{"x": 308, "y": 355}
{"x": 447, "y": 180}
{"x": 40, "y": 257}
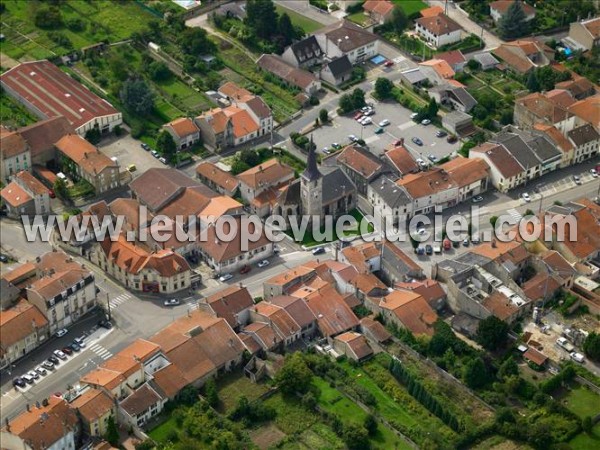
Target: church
{"x": 323, "y": 192}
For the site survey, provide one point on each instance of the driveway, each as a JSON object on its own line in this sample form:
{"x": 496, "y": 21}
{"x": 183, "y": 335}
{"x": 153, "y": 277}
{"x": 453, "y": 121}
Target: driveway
{"x": 462, "y": 18}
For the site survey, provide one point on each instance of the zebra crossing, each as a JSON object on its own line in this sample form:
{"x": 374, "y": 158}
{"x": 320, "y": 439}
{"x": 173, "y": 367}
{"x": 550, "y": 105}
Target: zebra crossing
{"x": 119, "y": 300}
{"x": 515, "y": 215}
{"x": 100, "y": 351}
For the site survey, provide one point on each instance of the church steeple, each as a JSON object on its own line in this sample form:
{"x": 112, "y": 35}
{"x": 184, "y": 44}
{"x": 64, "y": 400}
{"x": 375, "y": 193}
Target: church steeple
{"x": 311, "y": 173}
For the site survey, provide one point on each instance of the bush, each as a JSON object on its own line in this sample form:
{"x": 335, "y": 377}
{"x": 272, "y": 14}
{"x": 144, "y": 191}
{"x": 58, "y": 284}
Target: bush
{"x": 48, "y": 18}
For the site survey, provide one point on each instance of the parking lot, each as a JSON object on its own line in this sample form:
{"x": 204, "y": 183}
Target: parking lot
{"x": 128, "y": 151}
{"x": 401, "y": 126}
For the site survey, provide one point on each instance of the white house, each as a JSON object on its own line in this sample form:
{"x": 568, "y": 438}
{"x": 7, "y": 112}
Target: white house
{"x": 438, "y": 30}
{"x": 500, "y": 7}
{"x": 346, "y": 38}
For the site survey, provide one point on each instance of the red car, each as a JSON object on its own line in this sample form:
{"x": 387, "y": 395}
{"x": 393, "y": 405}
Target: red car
{"x": 245, "y": 269}
{"x": 358, "y": 115}
{"x": 51, "y": 193}
{"x": 389, "y": 63}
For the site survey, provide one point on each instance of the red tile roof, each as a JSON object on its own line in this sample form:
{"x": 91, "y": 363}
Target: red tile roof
{"x": 452, "y": 57}
{"x": 18, "y": 322}
{"x": 502, "y": 6}
{"x": 356, "y": 343}
{"x": 218, "y": 176}
{"x": 32, "y": 184}
{"x": 93, "y": 404}
{"x": 54, "y": 93}
{"x": 15, "y": 195}
{"x": 439, "y": 24}
{"x": 183, "y": 127}
{"x": 402, "y": 160}
{"x": 229, "y": 302}
{"x": 11, "y": 144}
{"x": 84, "y": 154}
{"x": 269, "y": 173}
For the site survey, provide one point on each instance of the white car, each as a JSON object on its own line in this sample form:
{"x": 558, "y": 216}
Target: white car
{"x": 565, "y": 344}
{"x": 576, "y": 179}
{"x": 384, "y": 123}
{"x": 61, "y": 332}
{"x": 352, "y": 138}
{"x": 171, "y": 302}
{"x": 425, "y": 122}
{"x": 525, "y": 196}
{"x": 226, "y": 277}
{"x": 162, "y": 160}
{"x": 414, "y": 115}
{"x": 594, "y": 173}
{"x": 577, "y": 357}
{"x": 263, "y": 263}
{"x": 366, "y": 121}
{"x": 80, "y": 341}
{"x": 33, "y": 374}
{"x": 59, "y": 354}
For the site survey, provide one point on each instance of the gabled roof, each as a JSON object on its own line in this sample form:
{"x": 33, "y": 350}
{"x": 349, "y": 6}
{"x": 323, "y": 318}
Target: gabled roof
{"x": 140, "y": 401}
{"x": 306, "y": 49}
{"x": 296, "y": 308}
{"x": 169, "y": 381}
{"x": 356, "y": 344}
{"x": 518, "y": 148}
{"x": 229, "y": 302}
{"x": 279, "y": 318}
{"x": 402, "y": 160}
{"x": 359, "y": 255}
{"x": 391, "y": 194}
{"x": 588, "y": 110}
{"x": 30, "y": 183}
{"x": 543, "y": 107}
{"x": 282, "y": 69}
{"x": 84, "y": 154}
{"x": 377, "y": 330}
{"x": 183, "y": 127}
{"x": 411, "y": 310}
{"x": 215, "y": 174}
{"x": 592, "y": 26}
{"x": 540, "y": 285}
{"x": 465, "y": 171}
{"x": 535, "y": 356}
{"x": 269, "y": 173}
{"x": 42, "y": 135}
{"x": 334, "y": 316}
{"x": 340, "y": 66}
{"x": 12, "y": 143}
{"x": 502, "y": 6}
{"x": 15, "y": 195}
{"x": 382, "y": 7}
{"x": 555, "y": 136}
{"x": 440, "y": 66}
{"x": 18, "y": 322}
{"x": 93, "y": 404}
{"x": 336, "y": 185}
{"x": 359, "y": 161}
{"x": 452, "y": 57}
{"x": 432, "y": 11}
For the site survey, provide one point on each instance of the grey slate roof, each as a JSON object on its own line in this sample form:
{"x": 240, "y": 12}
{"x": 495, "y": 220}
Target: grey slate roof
{"x": 414, "y": 76}
{"x": 473, "y": 259}
{"x": 311, "y": 172}
{"x": 583, "y": 135}
{"x": 517, "y": 147}
{"x": 543, "y": 148}
{"x": 340, "y": 66}
{"x": 485, "y": 59}
{"x": 456, "y": 117}
{"x": 335, "y": 185}
{"x": 291, "y": 195}
{"x": 392, "y": 194}
{"x": 463, "y": 97}
{"x": 306, "y": 49}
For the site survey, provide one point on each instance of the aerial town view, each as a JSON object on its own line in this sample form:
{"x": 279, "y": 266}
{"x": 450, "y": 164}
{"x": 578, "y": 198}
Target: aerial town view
{"x": 300, "y": 224}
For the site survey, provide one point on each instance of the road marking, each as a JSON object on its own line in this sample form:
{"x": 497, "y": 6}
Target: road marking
{"x": 119, "y": 300}
{"x": 406, "y": 125}
{"x": 101, "y": 351}
{"x": 514, "y": 214}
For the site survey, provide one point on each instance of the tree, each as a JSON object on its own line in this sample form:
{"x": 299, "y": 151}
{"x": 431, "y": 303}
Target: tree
{"x": 210, "y": 393}
{"x": 261, "y": 16}
{"x": 159, "y": 71}
{"x": 532, "y": 82}
{"x": 492, "y": 333}
{"x": 355, "y": 436}
{"x": 513, "y": 24}
{"x": 166, "y": 145}
{"x": 432, "y": 109}
{"x": 195, "y": 42}
{"x": 383, "y": 88}
{"x": 137, "y": 96}
{"x": 398, "y": 22}
{"x": 323, "y": 116}
{"x": 475, "y": 373}
{"x": 591, "y": 346}
{"x": 508, "y": 367}
{"x": 587, "y": 424}
{"x": 370, "y": 424}
{"x": 60, "y": 188}
{"x": 48, "y": 18}
{"x": 295, "y": 376}
{"x": 473, "y": 64}
{"x": 286, "y": 29}
{"x": 346, "y": 104}
{"x": 358, "y": 98}
{"x": 112, "y": 433}
{"x": 93, "y": 135}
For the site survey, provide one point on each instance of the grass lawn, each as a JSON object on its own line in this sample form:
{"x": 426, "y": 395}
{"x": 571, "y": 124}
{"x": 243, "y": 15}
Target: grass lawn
{"x": 308, "y": 25}
{"x": 332, "y": 400}
{"x": 291, "y": 417}
{"x": 410, "y": 6}
{"x": 233, "y": 385}
{"x": 12, "y": 113}
{"x": 359, "y": 18}
{"x": 582, "y": 401}
{"x": 160, "y": 433}
{"x": 585, "y": 441}
{"x": 183, "y": 95}
{"x": 309, "y": 240}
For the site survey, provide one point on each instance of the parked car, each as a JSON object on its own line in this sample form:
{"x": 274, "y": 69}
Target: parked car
{"x": 565, "y": 344}
{"x": 80, "y": 341}
{"x": 225, "y": 277}
{"x": 145, "y": 146}
{"x": 417, "y": 141}
{"x": 33, "y": 374}
{"x": 171, "y": 302}
{"x": 51, "y": 193}
{"x": 447, "y": 244}
{"x": 53, "y": 359}
{"x": 163, "y": 160}
{"x": 20, "y": 382}
{"x": 40, "y": 370}
{"x": 49, "y": 365}
{"x": 3, "y": 258}
{"x": 336, "y": 146}
{"x": 27, "y": 378}
{"x": 155, "y": 153}
{"x": 61, "y": 332}
{"x": 577, "y": 357}
{"x": 75, "y": 346}
{"x": 379, "y": 130}
{"x": 420, "y": 250}
{"x": 577, "y": 179}
{"x": 414, "y": 115}
{"x": 594, "y": 173}
{"x": 384, "y": 123}
{"x": 437, "y": 248}
{"x": 432, "y": 158}
{"x": 441, "y": 133}
{"x": 326, "y": 150}
{"x": 318, "y": 251}
{"x": 429, "y": 249}
{"x": 352, "y": 138}
{"x": 105, "y": 324}
{"x": 358, "y": 116}
{"x": 366, "y": 121}
{"x": 263, "y": 263}
{"x": 466, "y": 242}
{"x": 245, "y": 269}
{"x": 388, "y": 63}
{"x": 67, "y": 351}
{"x": 525, "y": 196}
{"x": 477, "y": 199}
{"x": 455, "y": 244}
{"x": 425, "y": 122}
{"x": 451, "y": 139}
{"x": 475, "y": 239}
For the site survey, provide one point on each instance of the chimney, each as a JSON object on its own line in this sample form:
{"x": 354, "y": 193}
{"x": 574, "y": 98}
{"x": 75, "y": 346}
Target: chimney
{"x": 27, "y": 406}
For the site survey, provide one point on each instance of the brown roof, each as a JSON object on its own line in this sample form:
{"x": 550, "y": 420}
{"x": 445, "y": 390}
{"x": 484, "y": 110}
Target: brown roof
{"x": 42, "y": 135}
{"x": 140, "y": 400}
{"x": 359, "y": 255}
{"x": 282, "y": 69}
{"x": 535, "y": 356}
{"x": 428, "y": 183}
{"x": 432, "y": 11}
{"x": 367, "y": 283}
{"x": 84, "y": 154}
{"x": 32, "y": 184}
{"x": 42, "y": 427}
{"x": 11, "y": 143}
{"x": 265, "y": 333}
{"x": 183, "y": 127}
{"x": 401, "y": 256}
{"x": 26, "y": 270}
{"x": 412, "y": 311}
{"x": 229, "y": 302}
{"x": 192, "y": 361}
{"x": 506, "y": 164}
{"x": 544, "y": 108}
{"x": 296, "y": 308}
{"x": 402, "y": 160}
{"x": 216, "y": 118}
{"x": 279, "y": 317}
{"x": 440, "y": 66}
{"x": 439, "y": 24}
{"x": 17, "y": 322}
{"x": 465, "y": 171}
{"x": 269, "y": 173}
{"x": 499, "y": 305}
{"x": 359, "y": 161}
{"x": 561, "y": 97}
{"x": 232, "y": 90}
{"x": 593, "y": 26}
{"x": 558, "y": 263}
{"x": 377, "y": 330}
{"x": 93, "y": 404}
{"x": 259, "y": 107}
{"x": 502, "y": 6}
{"x": 169, "y": 380}
{"x": 515, "y": 60}
{"x": 539, "y": 286}
{"x": 242, "y": 121}
{"x": 430, "y": 290}
{"x": 357, "y": 344}
{"x": 382, "y": 7}
{"x": 15, "y": 195}
{"x": 452, "y": 57}
{"x": 294, "y": 273}
{"x": 250, "y": 342}
{"x": 222, "y": 251}
{"x": 108, "y": 379}
{"x": 347, "y": 36}
{"x": 217, "y": 175}
{"x": 555, "y": 136}
{"x": 333, "y": 314}
{"x": 576, "y": 86}
{"x": 588, "y": 109}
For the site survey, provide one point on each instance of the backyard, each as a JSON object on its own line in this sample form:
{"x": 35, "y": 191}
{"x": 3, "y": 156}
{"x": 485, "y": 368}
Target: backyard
{"x": 308, "y": 25}
{"x": 234, "y": 385}
{"x": 581, "y": 401}
{"x": 12, "y": 113}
